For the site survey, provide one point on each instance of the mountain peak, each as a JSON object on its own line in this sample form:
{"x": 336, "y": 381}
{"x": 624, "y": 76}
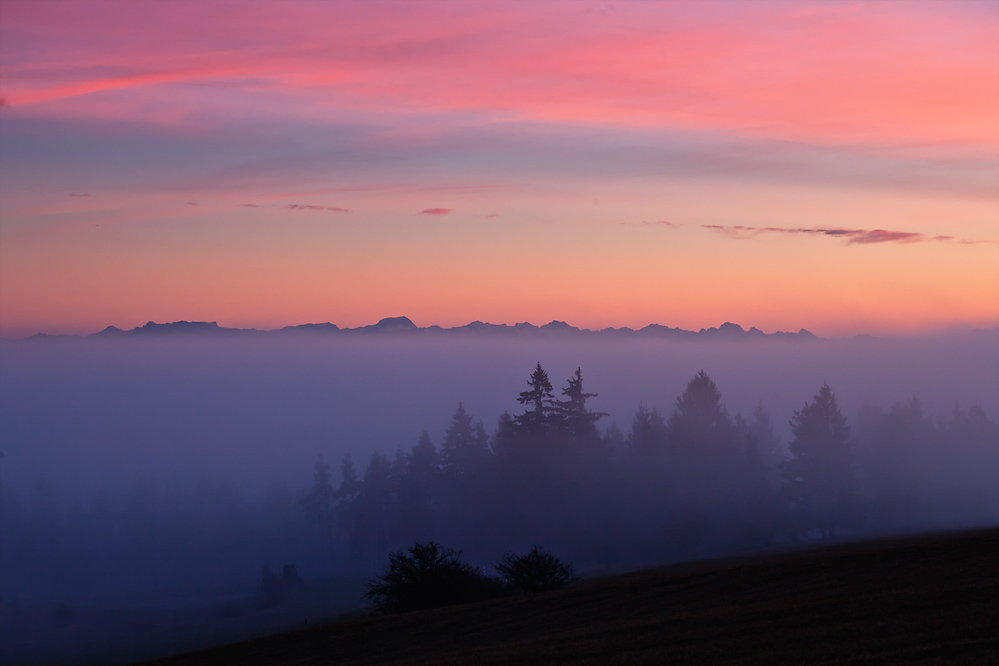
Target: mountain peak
{"x": 393, "y": 324}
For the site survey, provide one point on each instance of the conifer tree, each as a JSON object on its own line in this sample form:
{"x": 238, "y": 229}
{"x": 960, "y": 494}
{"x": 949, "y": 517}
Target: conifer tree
{"x": 465, "y": 446}
{"x": 698, "y": 421}
{"x": 346, "y": 498}
{"x": 766, "y": 441}
{"x": 820, "y": 473}
{"x": 319, "y": 502}
{"x": 541, "y": 398}
{"x": 375, "y": 507}
{"x": 419, "y": 489}
{"x": 648, "y": 433}
{"x": 574, "y": 418}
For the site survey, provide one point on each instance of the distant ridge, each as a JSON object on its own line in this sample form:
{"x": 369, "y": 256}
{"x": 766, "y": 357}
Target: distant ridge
{"x": 404, "y": 326}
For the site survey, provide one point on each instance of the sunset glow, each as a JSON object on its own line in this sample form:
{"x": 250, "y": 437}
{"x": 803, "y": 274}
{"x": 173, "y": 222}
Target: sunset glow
{"x": 826, "y": 165}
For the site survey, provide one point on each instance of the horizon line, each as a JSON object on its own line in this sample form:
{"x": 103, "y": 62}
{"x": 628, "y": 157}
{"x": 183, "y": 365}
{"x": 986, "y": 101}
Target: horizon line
{"x": 406, "y": 323}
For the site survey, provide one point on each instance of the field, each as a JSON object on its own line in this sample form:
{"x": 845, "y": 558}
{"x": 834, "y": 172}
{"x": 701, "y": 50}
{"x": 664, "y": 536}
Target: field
{"x": 928, "y": 599}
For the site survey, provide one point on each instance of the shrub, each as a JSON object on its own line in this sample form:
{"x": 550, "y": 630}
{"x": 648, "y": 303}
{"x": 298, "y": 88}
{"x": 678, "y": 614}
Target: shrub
{"x": 538, "y": 571}
{"x": 428, "y": 576}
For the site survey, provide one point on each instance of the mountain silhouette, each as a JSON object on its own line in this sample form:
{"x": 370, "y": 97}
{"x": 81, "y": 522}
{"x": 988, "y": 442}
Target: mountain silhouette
{"x": 404, "y": 326}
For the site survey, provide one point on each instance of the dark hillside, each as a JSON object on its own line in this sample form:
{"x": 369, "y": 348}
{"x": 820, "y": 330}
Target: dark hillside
{"x": 931, "y": 599}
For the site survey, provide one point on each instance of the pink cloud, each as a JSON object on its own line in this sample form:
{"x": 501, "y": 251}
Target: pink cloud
{"x": 853, "y": 236}
{"x": 308, "y": 207}
{"x": 882, "y": 236}
{"x": 434, "y": 211}
{"x": 925, "y": 71}
{"x": 655, "y": 223}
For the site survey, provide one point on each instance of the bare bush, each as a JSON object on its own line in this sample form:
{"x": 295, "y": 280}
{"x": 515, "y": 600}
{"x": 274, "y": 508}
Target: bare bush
{"x": 428, "y": 576}
{"x": 537, "y": 571}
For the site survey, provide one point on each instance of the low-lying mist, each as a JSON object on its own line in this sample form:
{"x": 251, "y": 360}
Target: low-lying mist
{"x": 138, "y": 470}
{"x": 85, "y": 417}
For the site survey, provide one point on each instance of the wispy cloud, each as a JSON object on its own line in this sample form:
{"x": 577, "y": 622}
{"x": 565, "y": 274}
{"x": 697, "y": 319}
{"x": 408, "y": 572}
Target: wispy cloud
{"x": 332, "y": 209}
{"x": 434, "y": 211}
{"x": 852, "y": 236}
{"x": 298, "y": 207}
{"x": 192, "y": 203}
{"x": 654, "y": 223}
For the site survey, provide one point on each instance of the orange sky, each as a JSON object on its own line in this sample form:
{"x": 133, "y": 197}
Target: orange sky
{"x": 833, "y": 166}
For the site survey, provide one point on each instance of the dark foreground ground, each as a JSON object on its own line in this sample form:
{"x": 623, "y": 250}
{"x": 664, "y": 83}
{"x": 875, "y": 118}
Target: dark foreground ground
{"x": 931, "y": 599}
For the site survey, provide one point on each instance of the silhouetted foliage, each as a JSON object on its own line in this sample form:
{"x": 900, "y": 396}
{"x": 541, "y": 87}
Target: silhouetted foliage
{"x": 374, "y": 509}
{"x": 537, "y": 571}
{"x": 319, "y": 503}
{"x": 699, "y": 484}
{"x": 766, "y": 441}
{"x": 648, "y": 433}
{"x": 541, "y": 398}
{"x": 820, "y": 472}
{"x": 418, "y": 490}
{"x": 698, "y": 425}
{"x": 466, "y": 445}
{"x": 427, "y": 576}
{"x": 575, "y": 419}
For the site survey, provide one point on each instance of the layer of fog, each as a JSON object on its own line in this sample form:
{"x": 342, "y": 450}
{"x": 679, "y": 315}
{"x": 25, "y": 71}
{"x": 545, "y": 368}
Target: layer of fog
{"x": 168, "y": 471}
{"x": 88, "y": 417}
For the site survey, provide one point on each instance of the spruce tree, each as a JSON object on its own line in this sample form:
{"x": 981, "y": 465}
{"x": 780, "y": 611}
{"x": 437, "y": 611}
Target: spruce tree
{"x": 820, "y": 473}
{"x": 465, "y": 446}
{"x": 541, "y": 398}
{"x": 319, "y": 502}
{"x": 574, "y": 418}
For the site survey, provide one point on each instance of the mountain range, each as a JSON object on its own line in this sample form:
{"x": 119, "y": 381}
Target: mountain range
{"x": 403, "y": 326}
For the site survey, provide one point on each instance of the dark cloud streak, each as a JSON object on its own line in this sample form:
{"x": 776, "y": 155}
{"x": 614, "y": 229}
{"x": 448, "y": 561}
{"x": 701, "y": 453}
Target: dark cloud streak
{"x": 852, "y": 236}
{"x": 301, "y": 207}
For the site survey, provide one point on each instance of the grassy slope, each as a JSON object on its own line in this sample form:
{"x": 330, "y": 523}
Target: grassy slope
{"x": 932, "y": 599}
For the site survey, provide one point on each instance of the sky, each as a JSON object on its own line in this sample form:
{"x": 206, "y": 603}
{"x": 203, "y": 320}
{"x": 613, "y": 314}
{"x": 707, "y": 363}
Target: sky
{"x": 826, "y": 165}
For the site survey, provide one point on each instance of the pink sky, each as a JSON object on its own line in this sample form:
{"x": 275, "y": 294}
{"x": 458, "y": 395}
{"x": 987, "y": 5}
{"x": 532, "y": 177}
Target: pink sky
{"x": 833, "y": 166}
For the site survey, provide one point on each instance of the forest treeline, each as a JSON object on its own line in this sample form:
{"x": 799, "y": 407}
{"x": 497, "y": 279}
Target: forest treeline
{"x": 689, "y": 482}
{"x": 694, "y": 482}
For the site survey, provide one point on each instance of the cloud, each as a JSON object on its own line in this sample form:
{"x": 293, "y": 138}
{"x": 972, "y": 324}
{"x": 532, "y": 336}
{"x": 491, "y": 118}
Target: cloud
{"x": 4, "y": 103}
{"x": 852, "y": 236}
{"x": 490, "y": 216}
{"x": 434, "y": 211}
{"x": 332, "y": 209}
{"x": 192, "y": 203}
{"x": 882, "y": 236}
{"x": 79, "y": 195}
{"x": 655, "y": 223}
{"x": 251, "y": 206}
